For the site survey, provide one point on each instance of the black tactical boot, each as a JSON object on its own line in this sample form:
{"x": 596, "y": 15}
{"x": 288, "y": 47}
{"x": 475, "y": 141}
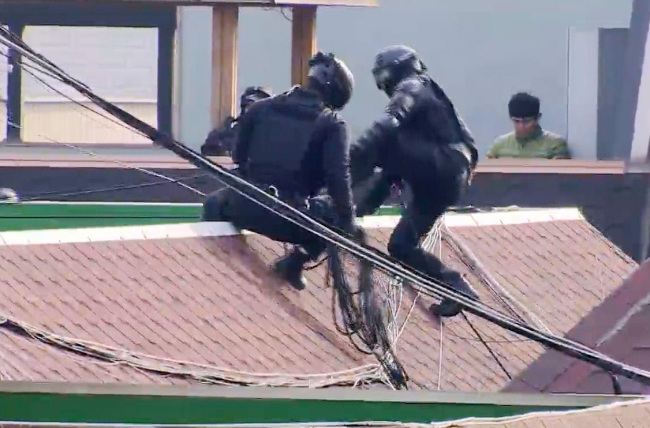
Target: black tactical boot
{"x": 216, "y": 206}
{"x": 290, "y": 267}
{"x": 447, "y": 307}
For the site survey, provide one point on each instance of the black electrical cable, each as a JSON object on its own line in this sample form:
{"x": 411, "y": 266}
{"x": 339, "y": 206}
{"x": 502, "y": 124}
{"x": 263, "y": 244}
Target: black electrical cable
{"x": 27, "y": 68}
{"x": 380, "y": 260}
{"x": 488, "y": 347}
{"x": 67, "y": 193}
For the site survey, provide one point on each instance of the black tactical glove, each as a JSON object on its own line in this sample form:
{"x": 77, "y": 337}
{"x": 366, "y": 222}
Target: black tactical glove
{"x": 351, "y": 227}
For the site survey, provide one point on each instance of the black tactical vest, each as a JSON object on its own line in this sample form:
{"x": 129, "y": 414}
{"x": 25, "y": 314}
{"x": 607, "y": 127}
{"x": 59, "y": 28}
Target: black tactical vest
{"x": 280, "y": 141}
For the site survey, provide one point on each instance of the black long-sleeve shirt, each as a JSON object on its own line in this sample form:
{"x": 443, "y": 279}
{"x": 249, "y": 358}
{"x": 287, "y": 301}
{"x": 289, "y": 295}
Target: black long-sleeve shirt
{"x": 326, "y": 162}
{"x": 418, "y": 108}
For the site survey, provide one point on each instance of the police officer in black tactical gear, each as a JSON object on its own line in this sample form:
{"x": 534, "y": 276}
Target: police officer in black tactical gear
{"x": 419, "y": 142}
{"x": 222, "y": 140}
{"x": 293, "y": 145}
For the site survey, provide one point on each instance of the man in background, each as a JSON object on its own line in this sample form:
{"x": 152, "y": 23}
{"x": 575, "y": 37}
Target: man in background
{"x": 528, "y": 140}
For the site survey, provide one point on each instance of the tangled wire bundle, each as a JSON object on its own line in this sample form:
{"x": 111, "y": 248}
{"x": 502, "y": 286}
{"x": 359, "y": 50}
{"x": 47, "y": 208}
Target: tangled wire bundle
{"x": 361, "y": 314}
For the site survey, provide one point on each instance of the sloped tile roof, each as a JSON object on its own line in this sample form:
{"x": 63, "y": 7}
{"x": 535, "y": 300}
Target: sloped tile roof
{"x": 178, "y": 304}
{"x": 618, "y": 327}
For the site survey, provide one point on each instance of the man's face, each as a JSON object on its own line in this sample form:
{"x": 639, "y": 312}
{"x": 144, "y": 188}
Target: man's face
{"x": 524, "y": 126}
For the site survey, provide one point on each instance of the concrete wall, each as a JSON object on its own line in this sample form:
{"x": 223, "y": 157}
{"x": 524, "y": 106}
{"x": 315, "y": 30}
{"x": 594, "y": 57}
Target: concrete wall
{"x": 47, "y": 122}
{"x": 193, "y": 62}
{"x": 118, "y": 63}
{"x": 611, "y": 68}
{"x": 613, "y": 203}
{"x": 596, "y": 66}
{"x": 632, "y": 125}
{"x": 582, "y": 96}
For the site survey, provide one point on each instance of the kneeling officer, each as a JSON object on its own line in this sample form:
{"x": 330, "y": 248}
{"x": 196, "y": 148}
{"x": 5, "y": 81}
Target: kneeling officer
{"x": 294, "y": 145}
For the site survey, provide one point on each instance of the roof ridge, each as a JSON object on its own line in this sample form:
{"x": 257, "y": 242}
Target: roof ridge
{"x": 619, "y": 252}
{"x": 204, "y": 373}
{"x": 219, "y": 229}
{"x": 633, "y": 310}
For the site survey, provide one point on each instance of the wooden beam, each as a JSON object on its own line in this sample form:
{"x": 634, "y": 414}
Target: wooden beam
{"x": 303, "y": 42}
{"x": 225, "y": 19}
{"x": 14, "y": 89}
{"x": 350, "y": 3}
{"x": 256, "y": 3}
{"x": 549, "y": 166}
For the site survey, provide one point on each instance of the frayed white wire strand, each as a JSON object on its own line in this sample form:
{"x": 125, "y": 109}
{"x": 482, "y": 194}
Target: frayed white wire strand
{"x": 510, "y": 302}
{"x": 394, "y": 289}
{"x": 204, "y": 373}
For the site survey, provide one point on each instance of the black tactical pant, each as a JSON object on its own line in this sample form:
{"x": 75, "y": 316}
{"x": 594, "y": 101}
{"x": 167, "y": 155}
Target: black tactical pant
{"x": 426, "y": 200}
{"x": 228, "y": 205}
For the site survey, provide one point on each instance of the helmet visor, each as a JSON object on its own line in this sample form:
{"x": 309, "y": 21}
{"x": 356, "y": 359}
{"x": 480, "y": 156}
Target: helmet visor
{"x": 382, "y": 78}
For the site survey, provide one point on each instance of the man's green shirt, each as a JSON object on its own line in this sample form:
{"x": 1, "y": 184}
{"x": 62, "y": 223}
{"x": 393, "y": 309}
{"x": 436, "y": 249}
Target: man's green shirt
{"x": 541, "y": 144}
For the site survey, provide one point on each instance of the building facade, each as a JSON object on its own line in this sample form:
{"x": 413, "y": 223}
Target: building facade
{"x": 481, "y": 51}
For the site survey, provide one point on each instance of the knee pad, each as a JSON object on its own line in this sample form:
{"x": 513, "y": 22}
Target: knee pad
{"x": 213, "y": 207}
{"x": 400, "y": 250}
{"x": 321, "y": 207}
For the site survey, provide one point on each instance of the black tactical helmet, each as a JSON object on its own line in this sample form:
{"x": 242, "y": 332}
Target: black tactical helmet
{"x": 333, "y": 79}
{"x": 253, "y": 94}
{"x": 393, "y": 64}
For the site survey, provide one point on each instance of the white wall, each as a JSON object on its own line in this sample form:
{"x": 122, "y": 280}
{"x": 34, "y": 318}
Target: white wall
{"x": 582, "y": 89}
{"x": 641, "y": 132}
{"x": 192, "y": 64}
{"x": 118, "y": 63}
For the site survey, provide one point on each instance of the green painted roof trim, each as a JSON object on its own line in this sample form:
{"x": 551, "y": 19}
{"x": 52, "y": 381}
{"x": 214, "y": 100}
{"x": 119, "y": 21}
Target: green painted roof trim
{"x": 66, "y": 215}
{"x": 72, "y": 403}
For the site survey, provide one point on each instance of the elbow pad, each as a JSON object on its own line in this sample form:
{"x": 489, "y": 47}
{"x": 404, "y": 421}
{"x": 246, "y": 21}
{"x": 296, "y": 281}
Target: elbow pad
{"x": 401, "y": 106}
{"x": 385, "y": 127}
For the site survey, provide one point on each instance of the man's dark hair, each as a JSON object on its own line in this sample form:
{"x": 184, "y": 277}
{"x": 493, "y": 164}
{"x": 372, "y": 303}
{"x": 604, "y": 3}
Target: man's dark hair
{"x": 523, "y": 104}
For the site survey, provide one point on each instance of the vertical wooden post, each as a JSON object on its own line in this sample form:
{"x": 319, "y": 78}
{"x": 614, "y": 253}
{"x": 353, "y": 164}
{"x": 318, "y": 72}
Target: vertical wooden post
{"x": 14, "y": 89}
{"x": 225, "y": 19}
{"x": 303, "y": 42}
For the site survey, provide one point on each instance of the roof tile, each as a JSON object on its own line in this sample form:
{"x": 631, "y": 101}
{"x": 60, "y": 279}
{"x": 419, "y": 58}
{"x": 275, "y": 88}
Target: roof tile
{"x": 212, "y": 302}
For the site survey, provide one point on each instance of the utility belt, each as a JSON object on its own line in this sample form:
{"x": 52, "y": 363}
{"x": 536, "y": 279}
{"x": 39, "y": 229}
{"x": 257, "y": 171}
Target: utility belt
{"x": 293, "y": 198}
